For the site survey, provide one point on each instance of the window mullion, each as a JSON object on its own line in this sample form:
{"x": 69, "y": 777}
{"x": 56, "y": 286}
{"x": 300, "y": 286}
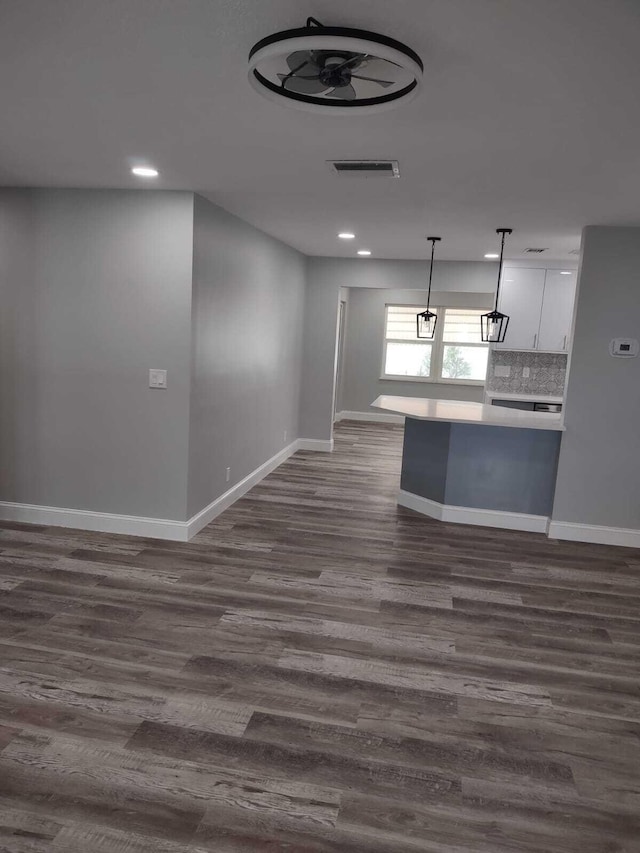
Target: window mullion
{"x": 437, "y": 349}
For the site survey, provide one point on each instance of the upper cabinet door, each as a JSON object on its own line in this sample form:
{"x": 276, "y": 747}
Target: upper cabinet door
{"x": 557, "y": 311}
{"x": 521, "y": 292}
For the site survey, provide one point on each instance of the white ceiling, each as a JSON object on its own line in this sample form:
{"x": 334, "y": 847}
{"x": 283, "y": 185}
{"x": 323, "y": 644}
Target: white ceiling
{"x": 529, "y": 117}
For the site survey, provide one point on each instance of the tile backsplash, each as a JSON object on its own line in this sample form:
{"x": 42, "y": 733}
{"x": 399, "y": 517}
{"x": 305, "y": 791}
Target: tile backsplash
{"x": 547, "y": 372}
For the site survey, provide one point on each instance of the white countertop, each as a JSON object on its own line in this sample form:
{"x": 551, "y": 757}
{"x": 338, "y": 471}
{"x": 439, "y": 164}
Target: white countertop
{"x": 534, "y": 398}
{"x": 461, "y": 412}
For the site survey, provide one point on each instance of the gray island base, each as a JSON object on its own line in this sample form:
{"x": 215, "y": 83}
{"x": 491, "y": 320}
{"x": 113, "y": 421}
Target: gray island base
{"x": 475, "y": 464}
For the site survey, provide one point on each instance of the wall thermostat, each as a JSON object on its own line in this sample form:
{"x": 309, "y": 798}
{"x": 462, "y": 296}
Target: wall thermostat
{"x": 624, "y": 347}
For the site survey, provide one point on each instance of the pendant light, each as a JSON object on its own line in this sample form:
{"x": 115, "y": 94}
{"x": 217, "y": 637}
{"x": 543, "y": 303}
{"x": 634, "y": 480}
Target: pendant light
{"x": 494, "y": 324}
{"x": 426, "y": 321}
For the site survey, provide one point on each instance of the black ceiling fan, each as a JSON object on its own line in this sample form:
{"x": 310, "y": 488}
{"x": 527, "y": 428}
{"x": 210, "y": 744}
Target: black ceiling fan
{"x": 329, "y": 67}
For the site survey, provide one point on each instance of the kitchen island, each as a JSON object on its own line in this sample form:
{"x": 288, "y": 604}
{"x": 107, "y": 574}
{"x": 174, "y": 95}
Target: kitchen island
{"x": 473, "y": 463}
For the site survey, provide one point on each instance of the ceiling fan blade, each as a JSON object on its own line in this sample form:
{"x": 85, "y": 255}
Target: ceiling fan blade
{"x": 302, "y": 60}
{"x": 302, "y": 85}
{"x": 345, "y": 93}
{"x": 384, "y": 83}
{"x": 353, "y": 62}
{"x": 376, "y": 67}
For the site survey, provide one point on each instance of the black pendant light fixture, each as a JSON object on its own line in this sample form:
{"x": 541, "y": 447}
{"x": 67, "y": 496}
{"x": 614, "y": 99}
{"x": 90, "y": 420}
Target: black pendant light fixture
{"x": 494, "y": 324}
{"x": 426, "y": 321}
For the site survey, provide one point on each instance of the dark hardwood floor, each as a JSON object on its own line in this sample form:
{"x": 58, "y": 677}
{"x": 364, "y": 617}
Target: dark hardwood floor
{"x": 319, "y": 671}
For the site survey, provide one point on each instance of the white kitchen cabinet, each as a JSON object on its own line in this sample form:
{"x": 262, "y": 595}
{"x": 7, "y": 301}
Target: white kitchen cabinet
{"x": 521, "y": 294}
{"x": 557, "y": 311}
{"x": 539, "y": 304}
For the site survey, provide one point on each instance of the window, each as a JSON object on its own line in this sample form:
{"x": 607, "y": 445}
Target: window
{"x": 464, "y": 356}
{"x": 404, "y": 353}
{"x": 456, "y": 353}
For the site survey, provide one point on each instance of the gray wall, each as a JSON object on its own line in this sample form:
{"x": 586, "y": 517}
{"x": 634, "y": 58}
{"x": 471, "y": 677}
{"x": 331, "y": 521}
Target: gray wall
{"x": 325, "y": 277}
{"x": 449, "y": 276}
{"x": 319, "y": 351}
{"x": 18, "y": 394}
{"x": 364, "y": 341}
{"x": 248, "y": 294}
{"x": 599, "y": 469}
{"x": 96, "y": 289}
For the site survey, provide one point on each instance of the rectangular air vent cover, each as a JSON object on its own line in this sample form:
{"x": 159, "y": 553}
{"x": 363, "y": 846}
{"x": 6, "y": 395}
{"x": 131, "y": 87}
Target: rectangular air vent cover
{"x": 534, "y": 251}
{"x": 365, "y": 168}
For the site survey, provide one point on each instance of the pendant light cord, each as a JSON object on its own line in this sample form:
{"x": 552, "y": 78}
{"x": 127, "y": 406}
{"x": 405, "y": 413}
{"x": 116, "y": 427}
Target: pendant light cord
{"x": 504, "y": 232}
{"x": 433, "y": 251}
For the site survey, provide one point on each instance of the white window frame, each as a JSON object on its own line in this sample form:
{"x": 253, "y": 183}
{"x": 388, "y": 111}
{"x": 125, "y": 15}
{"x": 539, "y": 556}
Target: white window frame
{"x": 437, "y": 348}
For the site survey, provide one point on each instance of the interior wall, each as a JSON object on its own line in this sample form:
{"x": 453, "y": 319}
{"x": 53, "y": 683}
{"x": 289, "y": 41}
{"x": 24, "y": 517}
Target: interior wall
{"x": 248, "y": 296}
{"x": 98, "y": 287}
{"x": 325, "y": 277}
{"x": 343, "y": 297}
{"x": 364, "y": 348}
{"x": 18, "y": 375}
{"x": 599, "y": 470}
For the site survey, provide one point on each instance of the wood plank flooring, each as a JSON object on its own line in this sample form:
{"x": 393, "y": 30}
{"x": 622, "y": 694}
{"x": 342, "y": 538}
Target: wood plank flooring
{"x": 319, "y": 671}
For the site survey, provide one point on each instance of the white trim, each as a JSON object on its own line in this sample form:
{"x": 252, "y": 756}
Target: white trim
{"x": 422, "y": 505}
{"x": 374, "y": 417}
{"x": 316, "y": 444}
{"x": 156, "y": 528}
{"x": 595, "y": 533}
{"x": 472, "y": 515}
{"x": 218, "y": 506}
{"x": 103, "y": 522}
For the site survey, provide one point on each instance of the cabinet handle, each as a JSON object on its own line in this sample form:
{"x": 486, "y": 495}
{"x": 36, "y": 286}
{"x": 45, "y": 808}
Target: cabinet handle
{"x": 564, "y": 345}
{"x": 535, "y": 340}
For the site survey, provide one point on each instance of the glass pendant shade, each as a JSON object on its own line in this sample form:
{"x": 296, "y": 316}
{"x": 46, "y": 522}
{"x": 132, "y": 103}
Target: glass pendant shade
{"x": 426, "y": 323}
{"x": 494, "y": 327}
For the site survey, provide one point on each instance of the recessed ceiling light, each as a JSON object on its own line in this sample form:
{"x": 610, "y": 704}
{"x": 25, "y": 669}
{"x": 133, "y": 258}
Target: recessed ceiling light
{"x": 346, "y": 235}
{"x": 565, "y": 272}
{"x": 364, "y": 252}
{"x": 492, "y": 255}
{"x": 145, "y": 172}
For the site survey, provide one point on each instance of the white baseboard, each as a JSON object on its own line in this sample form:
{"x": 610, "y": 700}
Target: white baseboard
{"x": 156, "y": 528}
{"x": 101, "y": 522}
{"x": 422, "y": 505}
{"x": 472, "y": 515}
{"x": 317, "y": 444}
{"x": 594, "y": 533}
{"x": 218, "y": 506}
{"x": 373, "y": 417}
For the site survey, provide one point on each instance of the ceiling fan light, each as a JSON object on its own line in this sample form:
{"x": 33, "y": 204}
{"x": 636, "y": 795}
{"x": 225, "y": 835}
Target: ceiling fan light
{"x": 339, "y": 70}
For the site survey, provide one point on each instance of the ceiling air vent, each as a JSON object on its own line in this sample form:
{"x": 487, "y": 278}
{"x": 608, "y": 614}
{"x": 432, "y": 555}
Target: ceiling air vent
{"x": 365, "y": 168}
{"x": 534, "y": 251}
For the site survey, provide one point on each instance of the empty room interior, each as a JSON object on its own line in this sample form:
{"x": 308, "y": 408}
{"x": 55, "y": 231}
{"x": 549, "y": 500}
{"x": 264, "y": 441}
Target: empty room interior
{"x": 319, "y": 444}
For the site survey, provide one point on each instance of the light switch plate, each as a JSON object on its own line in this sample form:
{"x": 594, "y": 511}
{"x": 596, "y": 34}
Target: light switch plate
{"x": 157, "y": 378}
{"x": 526, "y": 372}
{"x": 502, "y": 371}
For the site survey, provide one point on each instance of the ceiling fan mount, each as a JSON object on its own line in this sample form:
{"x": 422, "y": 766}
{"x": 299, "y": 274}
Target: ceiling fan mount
{"x": 337, "y": 70}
